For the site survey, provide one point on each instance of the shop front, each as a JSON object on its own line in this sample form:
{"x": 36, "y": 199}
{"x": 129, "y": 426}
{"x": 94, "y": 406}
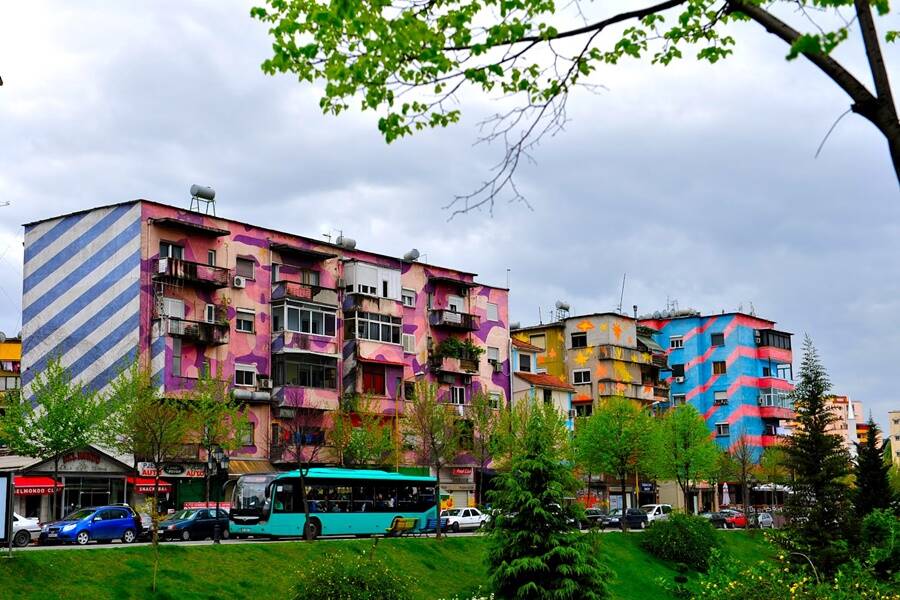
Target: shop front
{"x": 186, "y": 484}
{"x": 459, "y": 484}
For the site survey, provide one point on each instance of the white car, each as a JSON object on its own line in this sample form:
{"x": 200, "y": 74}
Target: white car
{"x": 657, "y": 512}
{"x": 464, "y": 518}
{"x": 25, "y": 530}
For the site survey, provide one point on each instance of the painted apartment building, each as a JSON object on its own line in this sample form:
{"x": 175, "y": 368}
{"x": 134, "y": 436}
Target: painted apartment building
{"x": 894, "y": 435}
{"x": 601, "y": 355}
{"x": 530, "y": 386}
{"x": 735, "y": 368}
{"x": 10, "y": 366}
{"x": 292, "y": 322}
{"x": 850, "y": 422}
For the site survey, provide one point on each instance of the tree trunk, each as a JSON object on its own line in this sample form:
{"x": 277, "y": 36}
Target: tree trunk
{"x": 55, "y": 497}
{"x": 624, "y": 503}
{"x": 154, "y": 520}
{"x": 206, "y": 479}
{"x": 307, "y": 535}
{"x": 437, "y": 499}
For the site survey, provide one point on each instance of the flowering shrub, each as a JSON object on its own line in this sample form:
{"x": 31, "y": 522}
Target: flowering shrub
{"x": 780, "y": 580}
{"x": 340, "y": 576}
{"x": 683, "y": 538}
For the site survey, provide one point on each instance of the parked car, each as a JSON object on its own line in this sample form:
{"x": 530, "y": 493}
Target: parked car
{"x": 594, "y": 517}
{"x": 194, "y": 524}
{"x": 464, "y": 518}
{"x": 103, "y": 524}
{"x": 762, "y": 520}
{"x": 657, "y": 512}
{"x": 140, "y": 525}
{"x": 734, "y": 518}
{"x": 24, "y": 530}
{"x": 635, "y": 518}
{"x": 716, "y": 518}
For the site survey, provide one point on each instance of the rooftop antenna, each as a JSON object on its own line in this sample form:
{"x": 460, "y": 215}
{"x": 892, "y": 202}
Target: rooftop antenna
{"x": 752, "y": 309}
{"x": 540, "y": 317}
{"x": 327, "y": 235}
{"x": 622, "y": 294}
{"x": 203, "y": 194}
{"x": 507, "y": 278}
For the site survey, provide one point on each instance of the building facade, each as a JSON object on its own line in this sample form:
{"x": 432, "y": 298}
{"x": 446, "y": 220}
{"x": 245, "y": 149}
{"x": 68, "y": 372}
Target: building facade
{"x": 10, "y": 366}
{"x": 734, "y": 368}
{"x": 293, "y": 323}
{"x": 530, "y": 387}
{"x": 894, "y": 433}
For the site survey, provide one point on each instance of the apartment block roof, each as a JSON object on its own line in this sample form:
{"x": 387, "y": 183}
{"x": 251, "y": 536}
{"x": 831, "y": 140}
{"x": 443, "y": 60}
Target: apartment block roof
{"x": 544, "y": 380}
{"x": 526, "y": 346}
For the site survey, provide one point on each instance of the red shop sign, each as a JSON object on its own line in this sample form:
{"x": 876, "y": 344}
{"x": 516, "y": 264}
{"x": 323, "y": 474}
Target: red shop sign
{"x": 461, "y": 471}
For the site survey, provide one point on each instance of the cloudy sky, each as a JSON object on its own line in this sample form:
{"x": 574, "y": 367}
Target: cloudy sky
{"x": 697, "y": 181}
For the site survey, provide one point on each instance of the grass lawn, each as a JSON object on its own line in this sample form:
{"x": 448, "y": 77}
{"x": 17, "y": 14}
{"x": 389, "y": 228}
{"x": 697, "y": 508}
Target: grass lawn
{"x": 261, "y": 571}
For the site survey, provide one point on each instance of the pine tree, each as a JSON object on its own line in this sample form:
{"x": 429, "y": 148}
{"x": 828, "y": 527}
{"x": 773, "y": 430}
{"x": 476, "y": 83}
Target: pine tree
{"x": 534, "y": 550}
{"x": 818, "y": 510}
{"x": 873, "y": 488}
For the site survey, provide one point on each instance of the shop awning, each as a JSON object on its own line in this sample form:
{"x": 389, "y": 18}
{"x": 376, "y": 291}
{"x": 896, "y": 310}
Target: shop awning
{"x": 35, "y": 486}
{"x": 145, "y": 485}
{"x": 238, "y": 466}
{"x": 381, "y": 361}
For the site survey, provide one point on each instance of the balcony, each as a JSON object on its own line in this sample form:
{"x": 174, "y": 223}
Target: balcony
{"x": 450, "y": 364}
{"x": 454, "y": 320}
{"x": 302, "y": 291}
{"x": 174, "y": 270}
{"x": 660, "y": 360}
{"x": 198, "y": 332}
{"x": 610, "y": 387}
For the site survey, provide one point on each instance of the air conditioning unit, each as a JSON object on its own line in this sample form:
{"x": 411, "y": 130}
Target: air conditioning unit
{"x": 448, "y": 378}
{"x": 239, "y": 282}
{"x": 264, "y": 383}
{"x": 679, "y": 379}
{"x": 497, "y": 366}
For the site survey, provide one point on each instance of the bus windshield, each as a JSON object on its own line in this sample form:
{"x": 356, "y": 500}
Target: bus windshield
{"x": 250, "y": 492}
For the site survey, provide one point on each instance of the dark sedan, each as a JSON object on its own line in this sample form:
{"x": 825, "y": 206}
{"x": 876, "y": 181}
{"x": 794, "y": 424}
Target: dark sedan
{"x": 593, "y": 517}
{"x": 634, "y": 518}
{"x": 194, "y": 524}
{"x": 716, "y": 518}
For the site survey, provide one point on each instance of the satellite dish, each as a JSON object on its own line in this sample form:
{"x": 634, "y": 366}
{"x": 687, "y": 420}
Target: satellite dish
{"x": 203, "y": 191}
{"x": 411, "y": 256}
{"x": 2, "y": 337}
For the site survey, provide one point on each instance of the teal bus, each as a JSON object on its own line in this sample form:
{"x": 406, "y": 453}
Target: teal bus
{"x": 341, "y": 502}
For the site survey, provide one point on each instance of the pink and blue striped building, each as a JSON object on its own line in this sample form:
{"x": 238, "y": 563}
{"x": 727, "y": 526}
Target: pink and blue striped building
{"x": 734, "y": 368}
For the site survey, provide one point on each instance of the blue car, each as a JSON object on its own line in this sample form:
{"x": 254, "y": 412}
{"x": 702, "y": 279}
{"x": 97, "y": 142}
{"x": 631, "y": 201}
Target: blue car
{"x": 103, "y": 524}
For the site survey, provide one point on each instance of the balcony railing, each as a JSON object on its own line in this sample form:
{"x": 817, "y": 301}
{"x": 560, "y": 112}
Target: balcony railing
{"x": 454, "y": 320}
{"x": 464, "y": 364}
{"x": 776, "y": 399}
{"x": 200, "y": 332}
{"x": 174, "y": 269}
{"x": 303, "y": 291}
{"x": 660, "y": 360}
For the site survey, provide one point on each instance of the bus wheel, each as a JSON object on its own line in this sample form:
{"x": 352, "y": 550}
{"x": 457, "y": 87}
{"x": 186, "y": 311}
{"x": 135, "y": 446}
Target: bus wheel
{"x": 314, "y": 529}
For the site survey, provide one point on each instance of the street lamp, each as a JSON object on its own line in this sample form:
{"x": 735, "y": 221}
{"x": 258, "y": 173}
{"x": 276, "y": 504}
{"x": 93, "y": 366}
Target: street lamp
{"x": 217, "y": 462}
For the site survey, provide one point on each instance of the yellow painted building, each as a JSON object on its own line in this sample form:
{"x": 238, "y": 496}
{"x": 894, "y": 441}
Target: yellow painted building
{"x": 10, "y": 365}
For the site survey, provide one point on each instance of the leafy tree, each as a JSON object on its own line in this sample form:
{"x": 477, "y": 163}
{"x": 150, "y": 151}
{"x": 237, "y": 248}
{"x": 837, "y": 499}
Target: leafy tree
{"x": 62, "y": 416}
{"x": 219, "y": 418}
{"x": 771, "y": 467}
{"x": 534, "y": 551}
{"x": 819, "y": 507}
{"x": 873, "y": 486}
{"x": 152, "y": 428}
{"x": 408, "y": 60}
{"x": 744, "y": 457}
{"x": 615, "y": 440}
{"x": 434, "y": 426}
{"x": 682, "y": 449}
{"x": 360, "y": 434}
{"x": 484, "y": 418}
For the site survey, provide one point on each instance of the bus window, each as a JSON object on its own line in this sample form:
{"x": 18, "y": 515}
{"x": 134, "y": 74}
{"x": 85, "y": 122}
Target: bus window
{"x": 385, "y": 498}
{"x": 317, "y": 496}
{"x": 362, "y": 498}
{"x": 426, "y": 497}
{"x": 284, "y": 499}
{"x": 407, "y": 497}
{"x": 341, "y": 500}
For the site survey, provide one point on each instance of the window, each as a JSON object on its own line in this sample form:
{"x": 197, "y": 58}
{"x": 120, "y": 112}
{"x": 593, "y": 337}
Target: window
{"x": 375, "y": 327}
{"x": 723, "y": 429}
{"x": 785, "y": 372}
{"x": 306, "y": 370}
{"x": 244, "y": 267}
{"x": 169, "y": 250}
{"x": 493, "y": 354}
{"x": 496, "y": 398}
{"x": 538, "y": 340}
{"x": 308, "y": 277}
{"x": 409, "y": 343}
{"x": 176, "y": 357}
{"x": 276, "y": 272}
{"x": 525, "y": 363}
{"x": 173, "y": 308}
{"x": 493, "y": 311}
{"x": 244, "y": 375}
{"x": 584, "y": 410}
{"x": 548, "y": 396}
{"x": 767, "y": 372}
{"x": 677, "y": 370}
{"x": 304, "y": 318}
{"x": 244, "y": 320}
{"x": 678, "y": 399}
{"x": 457, "y": 395}
{"x": 363, "y": 278}
{"x": 246, "y": 434}
{"x": 719, "y": 367}
{"x": 720, "y": 398}
{"x": 408, "y": 297}
{"x": 373, "y": 379}
{"x": 455, "y": 303}
{"x": 581, "y": 376}
{"x": 579, "y": 340}
{"x": 769, "y": 429}
{"x": 210, "y": 313}
{"x": 676, "y": 341}
{"x": 9, "y": 383}
{"x": 211, "y": 258}
{"x": 409, "y": 390}
{"x": 717, "y": 339}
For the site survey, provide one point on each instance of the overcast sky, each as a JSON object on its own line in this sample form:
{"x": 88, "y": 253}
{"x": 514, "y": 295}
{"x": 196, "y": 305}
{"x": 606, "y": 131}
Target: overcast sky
{"x": 697, "y": 181}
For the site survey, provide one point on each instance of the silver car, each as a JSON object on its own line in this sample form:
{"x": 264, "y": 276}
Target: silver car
{"x": 24, "y": 530}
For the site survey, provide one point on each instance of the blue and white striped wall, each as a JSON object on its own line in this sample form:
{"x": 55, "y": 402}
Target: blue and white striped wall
{"x": 81, "y": 294}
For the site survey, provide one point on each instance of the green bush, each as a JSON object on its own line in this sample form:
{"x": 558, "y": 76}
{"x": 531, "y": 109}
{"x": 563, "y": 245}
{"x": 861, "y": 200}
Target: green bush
{"x": 881, "y": 540}
{"x": 682, "y": 538}
{"x": 342, "y": 576}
